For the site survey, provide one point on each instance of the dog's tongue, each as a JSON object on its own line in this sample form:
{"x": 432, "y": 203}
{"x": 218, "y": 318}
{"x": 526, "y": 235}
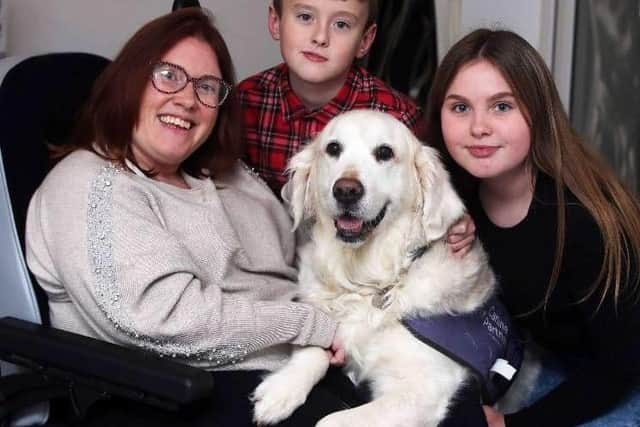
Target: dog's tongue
{"x": 349, "y": 224}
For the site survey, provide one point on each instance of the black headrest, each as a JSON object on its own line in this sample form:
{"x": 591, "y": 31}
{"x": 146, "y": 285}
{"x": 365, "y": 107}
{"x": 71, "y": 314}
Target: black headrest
{"x": 40, "y": 99}
{"x": 179, "y": 4}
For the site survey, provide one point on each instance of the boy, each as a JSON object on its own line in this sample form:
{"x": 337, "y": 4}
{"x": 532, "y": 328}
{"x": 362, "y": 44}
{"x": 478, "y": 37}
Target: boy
{"x": 287, "y": 105}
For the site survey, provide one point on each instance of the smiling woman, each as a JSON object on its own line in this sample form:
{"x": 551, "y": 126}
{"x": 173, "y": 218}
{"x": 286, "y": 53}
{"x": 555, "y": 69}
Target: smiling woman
{"x": 110, "y": 117}
{"x": 172, "y": 125}
{"x": 150, "y": 232}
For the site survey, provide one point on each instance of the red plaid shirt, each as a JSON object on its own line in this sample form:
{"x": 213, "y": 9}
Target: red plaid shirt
{"x": 276, "y": 121}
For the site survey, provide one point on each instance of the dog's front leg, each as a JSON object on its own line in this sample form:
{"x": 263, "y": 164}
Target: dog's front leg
{"x": 283, "y": 391}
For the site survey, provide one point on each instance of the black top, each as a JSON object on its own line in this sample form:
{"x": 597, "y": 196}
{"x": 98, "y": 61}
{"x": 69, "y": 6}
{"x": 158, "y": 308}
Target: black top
{"x": 522, "y": 257}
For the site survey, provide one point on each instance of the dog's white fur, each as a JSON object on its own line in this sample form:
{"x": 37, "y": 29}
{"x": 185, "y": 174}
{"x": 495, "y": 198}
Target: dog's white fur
{"x": 412, "y": 384}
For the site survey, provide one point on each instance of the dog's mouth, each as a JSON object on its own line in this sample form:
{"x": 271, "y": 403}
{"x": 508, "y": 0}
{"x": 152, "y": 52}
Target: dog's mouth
{"x": 352, "y": 229}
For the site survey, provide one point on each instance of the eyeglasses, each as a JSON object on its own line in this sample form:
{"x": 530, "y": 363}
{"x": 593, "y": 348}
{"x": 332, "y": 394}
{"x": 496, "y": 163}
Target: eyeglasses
{"x": 171, "y": 78}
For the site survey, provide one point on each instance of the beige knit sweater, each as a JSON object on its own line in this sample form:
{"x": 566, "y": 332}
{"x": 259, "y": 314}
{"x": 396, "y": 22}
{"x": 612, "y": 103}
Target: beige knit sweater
{"x": 204, "y": 275}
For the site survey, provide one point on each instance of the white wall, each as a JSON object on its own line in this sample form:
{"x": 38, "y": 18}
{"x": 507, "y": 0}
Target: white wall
{"x": 546, "y": 24}
{"x": 102, "y": 26}
{"x": 532, "y": 19}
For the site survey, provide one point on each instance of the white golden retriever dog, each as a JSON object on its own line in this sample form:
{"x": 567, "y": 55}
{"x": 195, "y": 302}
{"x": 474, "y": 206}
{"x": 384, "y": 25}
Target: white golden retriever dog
{"x": 380, "y": 204}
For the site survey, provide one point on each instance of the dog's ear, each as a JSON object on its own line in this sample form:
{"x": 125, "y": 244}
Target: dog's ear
{"x": 440, "y": 205}
{"x": 297, "y": 191}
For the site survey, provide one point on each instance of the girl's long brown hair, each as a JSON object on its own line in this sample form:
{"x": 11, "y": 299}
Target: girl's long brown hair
{"x": 557, "y": 151}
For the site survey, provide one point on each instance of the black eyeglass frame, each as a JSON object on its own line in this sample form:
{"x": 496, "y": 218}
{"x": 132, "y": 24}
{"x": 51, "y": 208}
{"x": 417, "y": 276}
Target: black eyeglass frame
{"x": 193, "y": 80}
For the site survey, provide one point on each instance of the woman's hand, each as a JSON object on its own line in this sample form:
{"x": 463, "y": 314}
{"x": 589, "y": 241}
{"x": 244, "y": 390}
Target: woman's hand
{"x": 336, "y": 353}
{"x": 494, "y": 418}
{"x": 461, "y": 235}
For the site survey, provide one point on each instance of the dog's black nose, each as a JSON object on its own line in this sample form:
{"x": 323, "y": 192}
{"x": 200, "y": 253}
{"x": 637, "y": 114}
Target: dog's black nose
{"x": 348, "y": 190}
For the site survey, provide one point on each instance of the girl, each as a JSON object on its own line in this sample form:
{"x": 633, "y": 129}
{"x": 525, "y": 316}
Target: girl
{"x": 562, "y": 232}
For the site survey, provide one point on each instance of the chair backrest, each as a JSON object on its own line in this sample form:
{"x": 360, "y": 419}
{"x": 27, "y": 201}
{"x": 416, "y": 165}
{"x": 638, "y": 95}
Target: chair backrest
{"x": 40, "y": 99}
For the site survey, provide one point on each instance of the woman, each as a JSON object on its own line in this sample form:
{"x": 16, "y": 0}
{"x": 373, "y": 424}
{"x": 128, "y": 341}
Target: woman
{"x": 562, "y": 233}
{"x": 151, "y": 233}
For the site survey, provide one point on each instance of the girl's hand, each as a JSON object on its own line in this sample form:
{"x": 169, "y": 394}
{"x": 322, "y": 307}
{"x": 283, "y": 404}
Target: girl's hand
{"x": 461, "y": 235}
{"x": 494, "y": 418}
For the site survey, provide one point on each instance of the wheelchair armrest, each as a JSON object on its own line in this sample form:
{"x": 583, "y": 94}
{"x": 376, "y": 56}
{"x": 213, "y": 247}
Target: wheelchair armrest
{"x": 102, "y": 366}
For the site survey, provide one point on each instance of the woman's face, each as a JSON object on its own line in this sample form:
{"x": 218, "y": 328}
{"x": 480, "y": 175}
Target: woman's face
{"x": 483, "y": 127}
{"x": 172, "y": 126}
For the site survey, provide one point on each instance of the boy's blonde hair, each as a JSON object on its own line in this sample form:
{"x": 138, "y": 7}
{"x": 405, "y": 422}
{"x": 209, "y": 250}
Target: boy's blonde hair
{"x": 371, "y": 18}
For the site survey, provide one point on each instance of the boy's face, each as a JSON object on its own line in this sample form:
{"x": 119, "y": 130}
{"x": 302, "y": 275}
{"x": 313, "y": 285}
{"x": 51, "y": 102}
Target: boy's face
{"x": 319, "y": 39}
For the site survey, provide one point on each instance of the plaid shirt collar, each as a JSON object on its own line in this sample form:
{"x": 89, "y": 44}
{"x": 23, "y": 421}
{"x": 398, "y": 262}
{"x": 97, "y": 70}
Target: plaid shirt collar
{"x": 293, "y": 108}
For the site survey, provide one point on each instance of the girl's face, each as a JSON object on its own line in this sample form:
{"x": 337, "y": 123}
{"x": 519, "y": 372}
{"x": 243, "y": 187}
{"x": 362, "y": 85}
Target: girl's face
{"x": 483, "y": 127}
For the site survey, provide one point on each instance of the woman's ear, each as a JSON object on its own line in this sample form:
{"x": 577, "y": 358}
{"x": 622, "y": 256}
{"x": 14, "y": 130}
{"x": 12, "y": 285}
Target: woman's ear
{"x": 441, "y": 205}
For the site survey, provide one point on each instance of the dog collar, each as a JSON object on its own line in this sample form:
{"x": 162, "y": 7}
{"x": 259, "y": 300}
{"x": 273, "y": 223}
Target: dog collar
{"x": 382, "y": 299}
{"x": 418, "y": 252}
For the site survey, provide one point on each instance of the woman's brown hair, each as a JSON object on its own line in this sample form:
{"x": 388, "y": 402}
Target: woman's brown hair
{"x": 556, "y": 150}
{"x": 112, "y": 112}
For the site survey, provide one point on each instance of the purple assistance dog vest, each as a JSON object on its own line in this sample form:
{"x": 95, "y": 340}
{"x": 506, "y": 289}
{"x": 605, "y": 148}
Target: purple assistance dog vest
{"x": 485, "y": 341}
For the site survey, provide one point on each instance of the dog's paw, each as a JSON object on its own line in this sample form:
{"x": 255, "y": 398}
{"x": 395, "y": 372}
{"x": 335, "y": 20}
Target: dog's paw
{"x": 275, "y": 399}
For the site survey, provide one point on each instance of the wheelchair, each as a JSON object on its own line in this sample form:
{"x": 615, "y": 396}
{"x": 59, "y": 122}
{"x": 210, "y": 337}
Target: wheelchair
{"x": 43, "y": 368}
{"x": 41, "y": 364}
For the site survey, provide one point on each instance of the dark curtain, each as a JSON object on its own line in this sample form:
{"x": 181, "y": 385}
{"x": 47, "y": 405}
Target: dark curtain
{"x": 404, "y": 53}
{"x": 605, "y": 94}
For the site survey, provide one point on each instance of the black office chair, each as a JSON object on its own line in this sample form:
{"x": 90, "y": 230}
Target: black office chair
{"x": 39, "y": 102}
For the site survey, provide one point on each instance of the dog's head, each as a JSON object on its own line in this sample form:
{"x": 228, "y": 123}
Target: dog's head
{"x": 364, "y": 171}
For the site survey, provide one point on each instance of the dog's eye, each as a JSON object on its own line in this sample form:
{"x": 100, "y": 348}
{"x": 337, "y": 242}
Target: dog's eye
{"x": 334, "y": 149}
{"x": 383, "y": 153}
